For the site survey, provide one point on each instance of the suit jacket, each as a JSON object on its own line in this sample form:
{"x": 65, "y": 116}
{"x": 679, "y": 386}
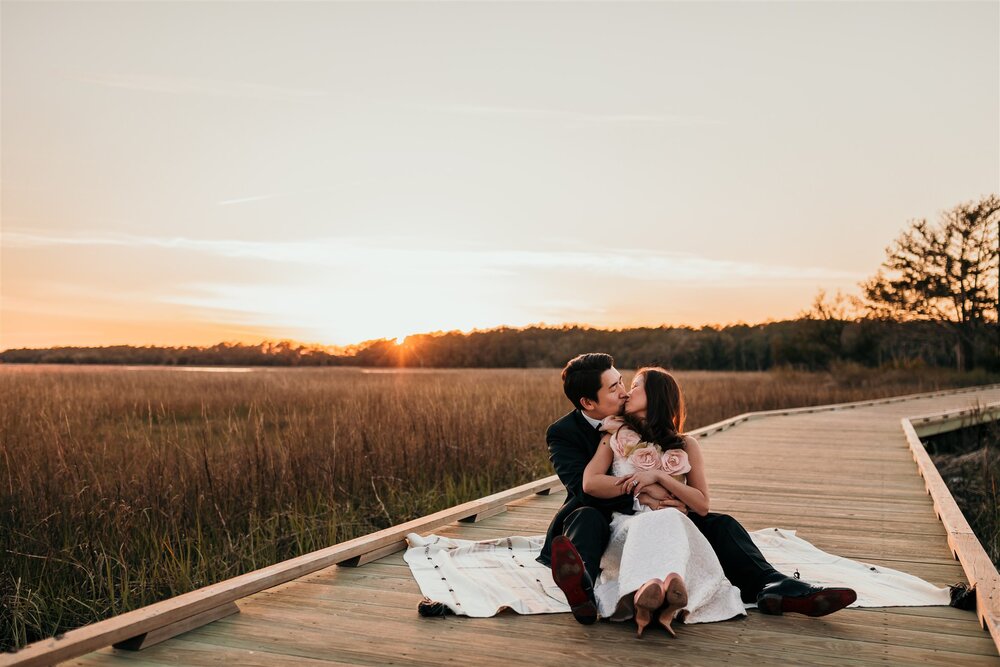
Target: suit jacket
{"x": 572, "y": 443}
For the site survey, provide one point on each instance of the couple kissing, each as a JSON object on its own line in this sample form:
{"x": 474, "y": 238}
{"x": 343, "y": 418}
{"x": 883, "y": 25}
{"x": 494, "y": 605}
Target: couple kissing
{"x": 635, "y": 538}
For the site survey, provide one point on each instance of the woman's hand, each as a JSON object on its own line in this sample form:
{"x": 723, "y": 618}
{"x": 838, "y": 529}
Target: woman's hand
{"x": 638, "y": 481}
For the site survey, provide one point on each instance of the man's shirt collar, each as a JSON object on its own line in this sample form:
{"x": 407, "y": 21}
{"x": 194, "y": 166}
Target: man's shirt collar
{"x": 590, "y": 420}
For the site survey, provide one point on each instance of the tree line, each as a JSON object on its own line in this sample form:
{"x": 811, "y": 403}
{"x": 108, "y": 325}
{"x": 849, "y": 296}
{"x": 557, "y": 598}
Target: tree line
{"x": 809, "y": 343}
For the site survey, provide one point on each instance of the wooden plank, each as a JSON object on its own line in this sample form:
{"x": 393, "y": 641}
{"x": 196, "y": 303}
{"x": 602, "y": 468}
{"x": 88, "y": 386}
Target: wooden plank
{"x": 160, "y": 634}
{"x": 552, "y": 639}
{"x": 198, "y": 654}
{"x": 344, "y": 596}
{"x": 489, "y": 640}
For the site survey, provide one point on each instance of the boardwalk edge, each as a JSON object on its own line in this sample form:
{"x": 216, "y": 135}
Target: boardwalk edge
{"x": 964, "y": 545}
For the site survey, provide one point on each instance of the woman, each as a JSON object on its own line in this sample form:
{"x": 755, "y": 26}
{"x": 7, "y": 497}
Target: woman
{"x": 657, "y": 563}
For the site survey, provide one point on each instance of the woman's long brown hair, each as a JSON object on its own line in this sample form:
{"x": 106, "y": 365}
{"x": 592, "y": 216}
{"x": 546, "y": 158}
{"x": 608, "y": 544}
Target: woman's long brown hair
{"x": 665, "y": 412}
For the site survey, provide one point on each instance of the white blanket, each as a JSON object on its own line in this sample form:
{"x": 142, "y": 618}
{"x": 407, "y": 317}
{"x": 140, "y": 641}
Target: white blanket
{"x": 483, "y": 578}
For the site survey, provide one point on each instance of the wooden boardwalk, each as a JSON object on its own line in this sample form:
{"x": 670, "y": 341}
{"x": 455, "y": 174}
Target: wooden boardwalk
{"x": 845, "y": 479}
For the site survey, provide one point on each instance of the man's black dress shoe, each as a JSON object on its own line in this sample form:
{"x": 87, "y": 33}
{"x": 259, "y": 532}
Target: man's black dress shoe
{"x": 792, "y": 595}
{"x": 572, "y": 579}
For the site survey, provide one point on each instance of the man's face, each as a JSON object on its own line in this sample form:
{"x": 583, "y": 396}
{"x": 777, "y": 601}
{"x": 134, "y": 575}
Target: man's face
{"x": 610, "y": 397}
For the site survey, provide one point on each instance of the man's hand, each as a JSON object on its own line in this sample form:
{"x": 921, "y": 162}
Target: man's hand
{"x": 656, "y": 497}
{"x": 672, "y": 502}
{"x": 649, "y": 501}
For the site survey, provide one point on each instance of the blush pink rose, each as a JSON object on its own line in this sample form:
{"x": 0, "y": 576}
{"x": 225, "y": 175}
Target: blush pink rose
{"x": 623, "y": 439}
{"x": 627, "y": 438}
{"x": 675, "y": 462}
{"x": 645, "y": 458}
{"x": 611, "y": 424}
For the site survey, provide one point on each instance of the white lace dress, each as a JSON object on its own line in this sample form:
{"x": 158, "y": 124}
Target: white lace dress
{"x": 652, "y": 544}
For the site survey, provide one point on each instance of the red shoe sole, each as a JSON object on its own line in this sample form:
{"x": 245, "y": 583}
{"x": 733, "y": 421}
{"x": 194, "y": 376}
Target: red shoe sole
{"x": 568, "y": 572}
{"x": 820, "y": 603}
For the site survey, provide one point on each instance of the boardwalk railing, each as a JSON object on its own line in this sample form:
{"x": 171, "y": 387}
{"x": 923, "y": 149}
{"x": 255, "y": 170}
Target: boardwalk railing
{"x": 168, "y": 618}
{"x": 962, "y": 541}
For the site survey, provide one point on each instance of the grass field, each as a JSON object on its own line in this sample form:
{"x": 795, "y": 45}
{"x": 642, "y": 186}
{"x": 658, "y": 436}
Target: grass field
{"x": 120, "y": 487}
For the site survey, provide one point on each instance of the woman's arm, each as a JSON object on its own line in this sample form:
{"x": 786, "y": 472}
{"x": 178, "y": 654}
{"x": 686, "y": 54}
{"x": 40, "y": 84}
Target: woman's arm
{"x": 694, "y": 494}
{"x": 596, "y": 481}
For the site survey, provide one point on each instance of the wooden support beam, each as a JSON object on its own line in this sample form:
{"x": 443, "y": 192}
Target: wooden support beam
{"x": 954, "y": 420}
{"x": 373, "y": 555}
{"x": 486, "y": 514}
{"x": 158, "y": 635}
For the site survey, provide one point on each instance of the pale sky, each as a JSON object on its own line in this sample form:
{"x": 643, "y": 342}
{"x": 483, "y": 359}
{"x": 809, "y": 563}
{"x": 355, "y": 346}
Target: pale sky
{"x": 188, "y": 173}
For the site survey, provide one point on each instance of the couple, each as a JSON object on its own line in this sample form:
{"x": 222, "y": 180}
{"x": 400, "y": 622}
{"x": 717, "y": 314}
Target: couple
{"x": 611, "y": 553}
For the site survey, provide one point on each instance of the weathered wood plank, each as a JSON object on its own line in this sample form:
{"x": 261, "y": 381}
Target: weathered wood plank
{"x": 198, "y": 654}
{"x": 165, "y": 632}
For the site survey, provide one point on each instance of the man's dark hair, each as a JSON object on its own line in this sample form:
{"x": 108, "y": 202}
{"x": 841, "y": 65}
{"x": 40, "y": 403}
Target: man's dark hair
{"x": 582, "y": 376}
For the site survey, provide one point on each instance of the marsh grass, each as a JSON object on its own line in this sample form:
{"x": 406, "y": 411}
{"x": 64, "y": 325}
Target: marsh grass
{"x": 121, "y": 487}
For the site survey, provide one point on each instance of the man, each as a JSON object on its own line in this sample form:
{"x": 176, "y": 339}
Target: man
{"x": 580, "y": 530}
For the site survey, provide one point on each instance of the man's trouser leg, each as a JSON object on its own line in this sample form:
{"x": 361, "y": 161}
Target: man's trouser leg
{"x": 742, "y": 562}
{"x": 589, "y": 532}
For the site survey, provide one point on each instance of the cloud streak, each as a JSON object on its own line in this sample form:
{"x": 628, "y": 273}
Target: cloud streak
{"x": 337, "y": 187}
{"x": 420, "y": 257}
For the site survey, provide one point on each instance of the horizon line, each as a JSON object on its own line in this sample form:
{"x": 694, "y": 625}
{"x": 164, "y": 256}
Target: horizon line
{"x": 437, "y": 333}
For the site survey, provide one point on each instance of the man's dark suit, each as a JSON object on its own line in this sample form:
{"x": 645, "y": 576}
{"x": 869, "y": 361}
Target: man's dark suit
{"x": 584, "y": 519}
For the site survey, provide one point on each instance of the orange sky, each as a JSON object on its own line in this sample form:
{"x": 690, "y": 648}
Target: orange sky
{"x": 188, "y": 173}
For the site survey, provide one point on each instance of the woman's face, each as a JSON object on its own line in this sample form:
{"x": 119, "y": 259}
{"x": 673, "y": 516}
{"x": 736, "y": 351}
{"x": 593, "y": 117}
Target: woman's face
{"x": 635, "y": 404}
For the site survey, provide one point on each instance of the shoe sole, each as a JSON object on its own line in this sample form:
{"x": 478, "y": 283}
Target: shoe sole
{"x": 568, "y": 572}
{"x": 819, "y": 603}
{"x": 650, "y": 595}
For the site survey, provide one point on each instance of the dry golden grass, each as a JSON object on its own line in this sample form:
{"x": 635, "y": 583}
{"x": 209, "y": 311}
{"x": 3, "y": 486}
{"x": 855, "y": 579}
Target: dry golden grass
{"x": 121, "y": 487}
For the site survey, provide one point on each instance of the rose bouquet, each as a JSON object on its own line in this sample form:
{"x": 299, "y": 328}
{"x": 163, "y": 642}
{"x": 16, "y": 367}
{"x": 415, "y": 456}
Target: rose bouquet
{"x": 628, "y": 444}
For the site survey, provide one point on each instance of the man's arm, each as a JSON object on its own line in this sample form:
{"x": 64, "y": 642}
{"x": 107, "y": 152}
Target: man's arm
{"x": 569, "y": 461}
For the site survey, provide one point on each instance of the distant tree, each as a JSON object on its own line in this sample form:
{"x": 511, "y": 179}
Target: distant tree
{"x": 839, "y": 307}
{"x": 944, "y": 273}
